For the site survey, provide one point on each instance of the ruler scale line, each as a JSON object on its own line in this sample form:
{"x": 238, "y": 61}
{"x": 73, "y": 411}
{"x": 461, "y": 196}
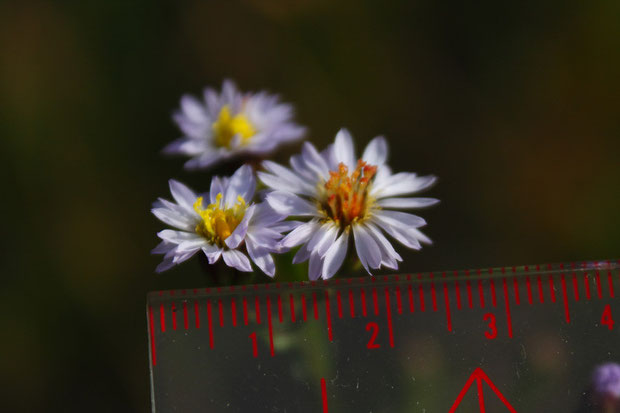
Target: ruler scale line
{"x": 446, "y": 298}
{"x": 328, "y": 315}
{"x": 210, "y": 320}
{"x": 152, "y": 336}
{"x": 269, "y": 323}
{"x": 507, "y": 303}
{"x": 389, "y": 316}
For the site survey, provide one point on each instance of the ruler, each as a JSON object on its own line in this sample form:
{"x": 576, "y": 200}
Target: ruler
{"x": 509, "y": 339}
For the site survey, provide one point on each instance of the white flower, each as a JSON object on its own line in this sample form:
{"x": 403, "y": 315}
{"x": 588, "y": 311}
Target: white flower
{"x": 231, "y": 123}
{"x": 343, "y": 198}
{"x": 229, "y": 224}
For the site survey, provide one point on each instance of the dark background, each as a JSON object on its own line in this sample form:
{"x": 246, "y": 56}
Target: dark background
{"x": 514, "y": 106}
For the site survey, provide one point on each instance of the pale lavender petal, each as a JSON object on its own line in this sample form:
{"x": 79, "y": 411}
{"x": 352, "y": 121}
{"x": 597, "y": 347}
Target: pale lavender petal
{"x": 235, "y": 238}
{"x": 289, "y": 204}
{"x": 343, "y": 149}
{"x": 174, "y": 219}
{"x": 314, "y": 161}
{"x": 302, "y": 255}
{"x": 323, "y": 238}
{"x": 242, "y": 184}
{"x": 177, "y": 237}
{"x": 212, "y": 252}
{"x": 193, "y": 244}
{"x": 389, "y": 256}
{"x": 300, "y": 235}
{"x": 261, "y": 257}
{"x": 163, "y": 247}
{"x": 314, "y": 268}
{"x": 401, "y": 184}
{"x": 397, "y": 218}
{"x": 367, "y": 249}
{"x": 376, "y": 151}
{"x": 335, "y": 256}
{"x": 283, "y": 178}
{"x": 193, "y": 109}
{"x": 184, "y": 196}
{"x": 407, "y": 202}
{"x": 238, "y": 260}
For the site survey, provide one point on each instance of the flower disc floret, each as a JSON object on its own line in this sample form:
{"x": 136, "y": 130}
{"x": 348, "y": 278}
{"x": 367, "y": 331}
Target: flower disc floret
{"x": 227, "y": 126}
{"x": 347, "y": 197}
{"x": 218, "y": 222}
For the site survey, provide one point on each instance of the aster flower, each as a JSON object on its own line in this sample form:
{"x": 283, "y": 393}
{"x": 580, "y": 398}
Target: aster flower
{"x": 227, "y": 224}
{"x": 344, "y": 197}
{"x": 606, "y": 383}
{"x": 231, "y": 123}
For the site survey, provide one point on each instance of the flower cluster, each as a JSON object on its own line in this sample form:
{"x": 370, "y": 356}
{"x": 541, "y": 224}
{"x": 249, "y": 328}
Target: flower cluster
{"x": 336, "y": 196}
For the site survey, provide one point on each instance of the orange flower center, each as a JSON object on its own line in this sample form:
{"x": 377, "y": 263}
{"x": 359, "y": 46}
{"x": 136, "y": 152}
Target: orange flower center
{"x": 346, "y": 195}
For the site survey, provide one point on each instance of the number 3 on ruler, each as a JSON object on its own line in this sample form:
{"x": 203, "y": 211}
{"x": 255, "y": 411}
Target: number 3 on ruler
{"x": 492, "y": 333}
{"x": 607, "y": 319}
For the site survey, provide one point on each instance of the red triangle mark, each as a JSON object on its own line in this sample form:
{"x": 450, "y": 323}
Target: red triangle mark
{"x": 478, "y": 375}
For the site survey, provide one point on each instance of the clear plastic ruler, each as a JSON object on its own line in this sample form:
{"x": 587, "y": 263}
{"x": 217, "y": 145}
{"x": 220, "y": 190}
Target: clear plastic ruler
{"x": 513, "y": 339}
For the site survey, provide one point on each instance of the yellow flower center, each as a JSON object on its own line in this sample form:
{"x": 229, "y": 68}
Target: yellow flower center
{"x": 226, "y": 127}
{"x": 218, "y": 222}
{"x": 346, "y": 195}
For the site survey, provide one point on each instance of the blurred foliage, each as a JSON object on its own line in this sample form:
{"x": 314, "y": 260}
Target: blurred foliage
{"x": 514, "y": 106}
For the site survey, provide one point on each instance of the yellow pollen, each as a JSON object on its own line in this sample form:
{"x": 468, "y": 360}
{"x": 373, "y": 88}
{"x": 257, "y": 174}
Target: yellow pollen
{"x": 226, "y": 127}
{"x": 218, "y": 222}
{"x": 346, "y": 195}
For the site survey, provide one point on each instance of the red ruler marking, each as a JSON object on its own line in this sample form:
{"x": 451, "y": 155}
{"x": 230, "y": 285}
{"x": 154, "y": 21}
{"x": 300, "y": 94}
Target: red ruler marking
{"x": 565, "y": 298}
{"x": 507, "y": 302}
{"x": 515, "y": 284}
{"x": 541, "y": 296}
{"x": 446, "y": 298}
{"x": 457, "y": 289}
{"x": 599, "y": 289}
{"x": 220, "y": 309}
{"x": 421, "y": 295}
{"x": 328, "y": 315}
{"x": 374, "y": 301}
{"x": 552, "y": 288}
{"x": 586, "y": 284}
{"x": 528, "y": 283}
{"x": 210, "y": 318}
{"x": 162, "y": 317}
{"x": 493, "y": 294}
{"x": 270, "y": 326}
{"x": 610, "y": 281}
{"x": 410, "y": 293}
{"x": 197, "y": 313}
{"x": 480, "y": 395}
{"x": 481, "y": 293}
{"x": 173, "y": 308}
{"x": 351, "y": 304}
{"x": 575, "y": 287}
{"x": 233, "y": 309}
{"x": 470, "y": 299}
{"x": 257, "y": 307}
{"x": 434, "y": 296}
{"x": 280, "y": 316}
{"x": 339, "y": 300}
{"x": 324, "y": 395}
{"x": 152, "y": 336}
{"x": 315, "y": 306}
{"x": 364, "y": 306}
{"x": 245, "y": 311}
{"x": 303, "y": 307}
{"x": 399, "y": 300}
{"x": 291, "y": 300}
{"x": 185, "y": 319}
{"x": 389, "y": 316}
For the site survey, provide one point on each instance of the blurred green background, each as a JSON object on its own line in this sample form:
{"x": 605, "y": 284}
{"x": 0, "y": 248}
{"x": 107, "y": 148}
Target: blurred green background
{"x": 514, "y": 106}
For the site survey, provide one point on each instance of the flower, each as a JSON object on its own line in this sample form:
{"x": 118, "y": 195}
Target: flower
{"x": 231, "y": 123}
{"x": 606, "y": 381}
{"x": 227, "y": 225}
{"x": 345, "y": 197}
